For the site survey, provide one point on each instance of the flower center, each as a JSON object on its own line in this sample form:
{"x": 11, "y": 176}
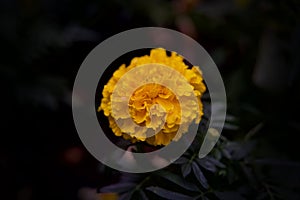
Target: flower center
{"x": 151, "y": 104}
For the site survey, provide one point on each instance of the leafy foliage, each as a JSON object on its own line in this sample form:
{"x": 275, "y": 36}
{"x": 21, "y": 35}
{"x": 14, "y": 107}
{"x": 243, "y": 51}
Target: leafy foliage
{"x": 216, "y": 176}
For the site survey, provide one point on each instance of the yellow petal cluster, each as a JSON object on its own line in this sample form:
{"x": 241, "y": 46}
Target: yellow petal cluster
{"x": 153, "y": 105}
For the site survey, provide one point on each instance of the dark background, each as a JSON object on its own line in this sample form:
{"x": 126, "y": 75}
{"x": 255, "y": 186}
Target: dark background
{"x": 255, "y": 43}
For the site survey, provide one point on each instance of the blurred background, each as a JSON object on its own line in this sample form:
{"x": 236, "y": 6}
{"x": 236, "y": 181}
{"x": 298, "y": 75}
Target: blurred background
{"x": 255, "y": 44}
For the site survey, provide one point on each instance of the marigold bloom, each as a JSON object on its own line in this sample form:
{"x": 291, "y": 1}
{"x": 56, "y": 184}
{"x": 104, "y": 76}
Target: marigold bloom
{"x": 153, "y": 105}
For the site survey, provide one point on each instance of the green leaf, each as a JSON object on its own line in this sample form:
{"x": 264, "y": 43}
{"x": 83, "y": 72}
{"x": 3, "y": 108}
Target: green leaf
{"x": 181, "y": 160}
{"x": 177, "y": 180}
{"x": 230, "y": 127}
{"x": 226, "y": 154}
{"x": 127, "y": 195}
{"x": 229, "y": 195}
{"x": 231, "y": 175}
{"x": 199, "y": 175}
{"x": 238, "y": 150}
{"x": 215, "y": 162}
{"x": 119, "y": 187}
{"x": 217, "y": 154}
{"x": 143, "y": 195}
{"x": 206, "y": 164}
{"x": 167, "y": 194}
{"x": 186, "y": 169}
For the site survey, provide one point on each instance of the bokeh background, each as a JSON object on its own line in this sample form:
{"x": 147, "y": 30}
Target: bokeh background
{"x": 255, "y": 44}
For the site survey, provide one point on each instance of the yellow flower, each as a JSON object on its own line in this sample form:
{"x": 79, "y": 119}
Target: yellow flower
{"x": 155, "y": 110}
